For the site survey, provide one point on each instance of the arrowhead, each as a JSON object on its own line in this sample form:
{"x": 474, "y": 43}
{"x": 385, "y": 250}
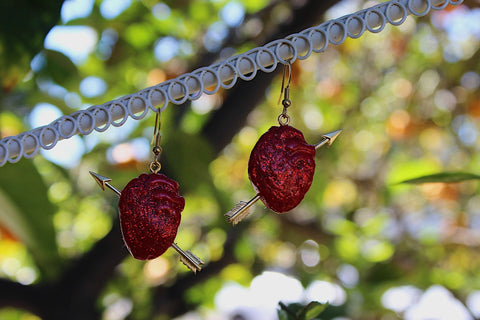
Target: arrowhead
{"x": 332, "y": 136}
{"x": 101, "y": 180}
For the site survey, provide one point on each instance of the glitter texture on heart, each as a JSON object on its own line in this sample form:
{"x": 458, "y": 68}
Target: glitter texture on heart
{"x": 281, "y": 168}
{"x": 150, "y": 212}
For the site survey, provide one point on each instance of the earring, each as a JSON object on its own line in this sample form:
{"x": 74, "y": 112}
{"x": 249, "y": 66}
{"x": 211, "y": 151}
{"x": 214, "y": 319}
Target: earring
{"x": 281, "y": 164}
{"x": 150, "y": 211}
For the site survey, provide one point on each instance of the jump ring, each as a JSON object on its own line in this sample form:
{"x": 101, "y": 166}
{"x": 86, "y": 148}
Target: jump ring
{"x": 283, "y": 119}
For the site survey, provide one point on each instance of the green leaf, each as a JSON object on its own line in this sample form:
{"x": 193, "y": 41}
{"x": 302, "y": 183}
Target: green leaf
{"x": 297, "y": 311}
{"x": 448, "y": 177}
{"x": 282, "y": 315}
{"x": 313, "y": 310}
{"x": 287, "y": 312}
{"x": 403, "y": 169}
{"x": 59, "y": 68}
{"x": 27, "y": 213}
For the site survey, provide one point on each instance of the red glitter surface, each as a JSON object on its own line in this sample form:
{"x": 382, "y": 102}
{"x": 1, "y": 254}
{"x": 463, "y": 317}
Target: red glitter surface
{"x": 150, "y": 212}
{"x": 281, "y": 168}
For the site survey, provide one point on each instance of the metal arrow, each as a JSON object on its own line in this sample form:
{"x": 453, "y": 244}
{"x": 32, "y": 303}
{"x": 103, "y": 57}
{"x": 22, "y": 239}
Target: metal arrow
{"x": 241, "y": 210}
{"x": 328, "y": 139}
{"x": 104, "y": 182}
{"x": 186, "y": 257}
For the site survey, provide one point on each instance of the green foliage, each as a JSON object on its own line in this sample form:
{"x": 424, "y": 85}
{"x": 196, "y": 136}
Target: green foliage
{"x": 28, "y": 214}
{"x": 59, "y": 68}
{"x": 297, "y": 311}
{"x": 24, "y": 25}
{"x": 447, "y": 177}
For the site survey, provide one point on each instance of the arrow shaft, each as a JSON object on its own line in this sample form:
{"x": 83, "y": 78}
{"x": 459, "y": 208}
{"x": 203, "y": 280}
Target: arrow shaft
{"x": 322, "y": 143}
{"x": 113, "y": 189}
{"x": 251, "y": 201}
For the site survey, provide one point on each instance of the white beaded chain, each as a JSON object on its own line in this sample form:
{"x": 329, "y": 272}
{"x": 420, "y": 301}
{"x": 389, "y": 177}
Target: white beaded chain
{"x": 224, "y": 74}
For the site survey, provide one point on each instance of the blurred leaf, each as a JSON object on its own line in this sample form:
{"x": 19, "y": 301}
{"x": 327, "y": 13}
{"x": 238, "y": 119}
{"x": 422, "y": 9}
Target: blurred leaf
{"x": 297, "y": 311}
{"x": 313, "y": 310}
{"x": 58, "y": 67}
{"x": 27, "y": 213}
{"x": 288, "y": 312}
{"x": 448, "y": 177}
{"x": 282, "y": 314}
{"x": 410, "y": 168}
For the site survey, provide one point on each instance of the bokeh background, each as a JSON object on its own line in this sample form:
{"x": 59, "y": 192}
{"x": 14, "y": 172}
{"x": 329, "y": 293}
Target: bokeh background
{"x": 407, "y": 99}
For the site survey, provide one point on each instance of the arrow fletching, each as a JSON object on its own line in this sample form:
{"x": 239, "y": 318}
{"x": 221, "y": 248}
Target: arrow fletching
{"x": 241, "y": 210}
{"x": 189, "y": 259}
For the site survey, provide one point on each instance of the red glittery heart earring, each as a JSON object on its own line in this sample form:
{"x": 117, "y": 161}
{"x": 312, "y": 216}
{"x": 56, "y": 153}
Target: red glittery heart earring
{"x": 281, "y": 165}
{"x": 150, "y": 211}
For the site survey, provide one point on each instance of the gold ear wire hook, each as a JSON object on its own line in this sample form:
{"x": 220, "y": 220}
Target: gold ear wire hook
{"x": 156, "y": 133}
{"x": 286, "y": 89}
{"x": 283, "y": 118}
{"x": 155, "y": 165}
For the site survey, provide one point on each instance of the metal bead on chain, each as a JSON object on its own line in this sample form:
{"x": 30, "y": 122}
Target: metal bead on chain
{"x": 155, "y": 165}
{"x": 284, "y": 118}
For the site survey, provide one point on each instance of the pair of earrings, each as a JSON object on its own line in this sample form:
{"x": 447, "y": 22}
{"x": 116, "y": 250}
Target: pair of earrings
{"x": 280, "y": 168}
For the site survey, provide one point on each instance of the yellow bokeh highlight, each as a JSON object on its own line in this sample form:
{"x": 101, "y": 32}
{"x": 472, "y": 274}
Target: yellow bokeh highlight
{"x": 339, "y": 193}
{"x": 156, "y": 271}
{"x": 377, "y": 251}
{"x": 215, "y": 240}
{"x": 17, "y": 314}
{"x": 238, "y": 273}
{"x": 348, "y": 247}
{"x": 10, "y": 125}
{"x": 402, "y": 88}
{"x": 432, "y": 139}
{"x": 59, "y": 191}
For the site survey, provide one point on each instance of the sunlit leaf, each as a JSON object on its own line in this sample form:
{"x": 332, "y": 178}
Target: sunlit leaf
{"x": 447, "y": 177}
{"x": 313, "y": 310}
{"x": 27, "y": 213}
{"x": 406, "y": 169}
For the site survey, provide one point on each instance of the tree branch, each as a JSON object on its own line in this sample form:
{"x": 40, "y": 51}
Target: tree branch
{"x": 14, "y": 294}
